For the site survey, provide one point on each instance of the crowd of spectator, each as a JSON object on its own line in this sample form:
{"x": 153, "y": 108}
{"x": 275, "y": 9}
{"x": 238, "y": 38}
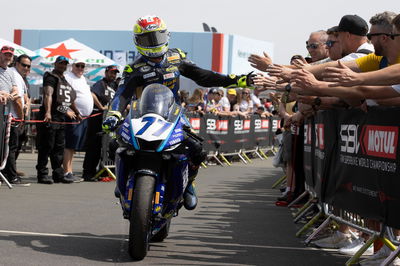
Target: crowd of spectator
{"x": 232, "y": 102}
{"x": 70, "y": 113}
{"x": 350, "y": 65}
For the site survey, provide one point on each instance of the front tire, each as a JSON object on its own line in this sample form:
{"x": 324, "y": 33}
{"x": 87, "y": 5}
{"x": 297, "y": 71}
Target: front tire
{"x": 140, "y": 218}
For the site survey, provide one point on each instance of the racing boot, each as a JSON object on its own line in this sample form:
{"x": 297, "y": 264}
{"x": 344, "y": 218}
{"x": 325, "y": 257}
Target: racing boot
{"x": 189, "y": 196}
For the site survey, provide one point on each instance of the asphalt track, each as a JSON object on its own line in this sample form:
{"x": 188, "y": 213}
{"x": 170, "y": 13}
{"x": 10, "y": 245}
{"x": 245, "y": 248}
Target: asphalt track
{"x": 235, "y": 223}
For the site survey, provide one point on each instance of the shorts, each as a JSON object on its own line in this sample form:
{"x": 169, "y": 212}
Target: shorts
{"x": 75, "y": 135}
{"x": 287, "y": 146}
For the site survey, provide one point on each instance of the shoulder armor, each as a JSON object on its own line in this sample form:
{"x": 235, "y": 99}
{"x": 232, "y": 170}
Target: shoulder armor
{"x": 128, "y": 69}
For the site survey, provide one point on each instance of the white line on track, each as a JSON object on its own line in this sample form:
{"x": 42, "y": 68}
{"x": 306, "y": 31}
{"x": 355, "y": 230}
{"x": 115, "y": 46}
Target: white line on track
{"x": 123, "y": 239}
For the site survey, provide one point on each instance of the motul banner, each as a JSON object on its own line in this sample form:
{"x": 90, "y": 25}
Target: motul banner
{"x": 358, "y": 165}
{"x": 231, "y": 134}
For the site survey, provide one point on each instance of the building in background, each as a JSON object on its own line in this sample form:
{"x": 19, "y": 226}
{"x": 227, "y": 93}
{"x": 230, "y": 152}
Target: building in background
{"x": 219, "y": 52}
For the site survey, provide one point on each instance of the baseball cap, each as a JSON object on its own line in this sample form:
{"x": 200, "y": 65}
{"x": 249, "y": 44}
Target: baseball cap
{"x": 232, "y": 91}
{"x": 62, "y": 58}
{"x": 213, "y": 90}
{"x": 332, "y": 30}
{"x": 7, "y": 49}
{"x": 353, "y": 24}
{"x": 79, "y": 60}
{"x": 112, "y": 68}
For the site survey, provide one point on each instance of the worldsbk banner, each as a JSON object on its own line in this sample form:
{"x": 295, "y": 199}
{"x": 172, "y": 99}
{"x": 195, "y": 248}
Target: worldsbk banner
{"x": 231, "y": 134}
{"x": 360, "y": 171}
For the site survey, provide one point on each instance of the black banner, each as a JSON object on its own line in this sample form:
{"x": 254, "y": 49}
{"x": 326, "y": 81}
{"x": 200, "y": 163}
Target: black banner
{"x": 356, "y": 162}
{"x": 231, "y": 134}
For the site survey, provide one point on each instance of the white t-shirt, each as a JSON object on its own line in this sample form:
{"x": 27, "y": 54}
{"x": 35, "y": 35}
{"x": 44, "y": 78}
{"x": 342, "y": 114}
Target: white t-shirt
{"x": 256, "y": 101}
{"x": 21, "y": 85}
{"x": 244, "y": 105}
{"x": 224, "y": 102}
{"x": 84, "y": 98}
{"x": 354, "y": 56}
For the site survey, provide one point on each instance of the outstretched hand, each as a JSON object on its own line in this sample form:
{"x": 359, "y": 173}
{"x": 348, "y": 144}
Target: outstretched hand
{"x": 260, "y": 62}
{"x": 341, "y": 76}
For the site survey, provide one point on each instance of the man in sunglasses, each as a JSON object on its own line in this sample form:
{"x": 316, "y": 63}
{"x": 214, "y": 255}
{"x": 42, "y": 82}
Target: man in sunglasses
{"x": 75, "y": 133}
{"x": 316, "y": 45}
{"x": 8, "y": 85}
{"x": 20, "y": 71}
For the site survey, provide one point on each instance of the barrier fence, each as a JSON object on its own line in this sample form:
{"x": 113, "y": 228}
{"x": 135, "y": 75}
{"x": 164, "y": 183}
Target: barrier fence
{"x": 351, "y": 165}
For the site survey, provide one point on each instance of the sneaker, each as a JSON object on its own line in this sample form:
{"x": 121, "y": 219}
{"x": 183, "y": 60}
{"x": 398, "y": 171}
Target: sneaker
{"x": 189, "y": 197}
{"x": 20, "y": 173}
{"x": 45, "y": 180}
{"x": 65, "y": 179}
{"x": 19, "y": 182}
{"x": 337, "y": 240}
{"x": 355, "y": 246}
{"x": 74, "y": 179}
{"x": 379, "y": 257}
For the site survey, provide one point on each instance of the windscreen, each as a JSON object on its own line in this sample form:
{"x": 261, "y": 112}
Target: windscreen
{"x": 156, "y": 99}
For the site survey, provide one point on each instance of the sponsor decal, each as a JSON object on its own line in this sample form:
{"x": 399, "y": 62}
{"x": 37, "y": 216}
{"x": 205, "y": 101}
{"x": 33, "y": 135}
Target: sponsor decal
{"x": 145, "y": 69}
{"x": 173, "y": 57}
{"x": 241, "y": 126}
{"x": 149, "y": 75}
{"x": 139, "y": 65}
{"x": 195, "y": 122}
{"x": 171, "y": 69}
{"x": 217, "y": 126}
{"x": 380, "y": 141}
{"x": 375, "y": 141}
{"x": 382, "y": 196}
{"x": 169, "y": 76}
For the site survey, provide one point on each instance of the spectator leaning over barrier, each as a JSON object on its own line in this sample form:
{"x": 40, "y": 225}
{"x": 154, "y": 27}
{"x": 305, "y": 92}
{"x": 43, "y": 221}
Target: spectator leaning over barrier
{"x": 102, "y": 92}
{"x": 195, "y": 103}
{"x": 316, "y": 46}
{"x": 245, "y": 103}
{"x": 9, "y": 85}
{"x": 213, "y": 104}
{"x": 58, "y": 97}
{"x": 75, "y": 133}
{"x": 386, "y": 52}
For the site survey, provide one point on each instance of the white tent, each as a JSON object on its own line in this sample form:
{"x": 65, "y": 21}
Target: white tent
{"x": 19, "y": 50}
{"x": 73, "y": 49}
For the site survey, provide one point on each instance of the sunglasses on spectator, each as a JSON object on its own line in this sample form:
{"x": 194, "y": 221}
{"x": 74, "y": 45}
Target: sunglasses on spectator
{"x": 312, "y": 45}
{"x": 245, "y": 92}
{"x": 392, "y": 36}
{"x": 80, "y": 66}
{"x": 25, "y": 65}
{"x": 329, "y": 44}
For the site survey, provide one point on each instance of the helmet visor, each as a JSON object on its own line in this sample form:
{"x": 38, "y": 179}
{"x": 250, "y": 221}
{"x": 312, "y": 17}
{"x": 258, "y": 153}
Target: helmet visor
{"x": 152, "y": 39}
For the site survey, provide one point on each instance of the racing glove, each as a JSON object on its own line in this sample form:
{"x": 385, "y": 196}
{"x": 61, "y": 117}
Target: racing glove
{"x": 111, "y": 121}
{"x": 244, "y": 81}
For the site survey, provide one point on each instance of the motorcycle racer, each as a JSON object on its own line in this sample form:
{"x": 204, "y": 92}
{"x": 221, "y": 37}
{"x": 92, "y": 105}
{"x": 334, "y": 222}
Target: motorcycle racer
{"x": 157, "y": 63}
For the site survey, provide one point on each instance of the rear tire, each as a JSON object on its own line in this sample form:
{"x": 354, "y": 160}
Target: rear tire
{"x": 140, "y": 218}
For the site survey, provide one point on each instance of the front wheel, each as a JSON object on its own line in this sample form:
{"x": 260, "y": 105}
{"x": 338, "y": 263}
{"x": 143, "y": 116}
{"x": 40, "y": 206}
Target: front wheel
{"x": 140, "y": 218}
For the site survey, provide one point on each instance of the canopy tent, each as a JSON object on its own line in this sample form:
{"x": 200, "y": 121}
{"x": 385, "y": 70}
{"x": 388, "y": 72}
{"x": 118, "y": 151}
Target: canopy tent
{"x": 95, "y": 61}
{"x": 19, "y": 50}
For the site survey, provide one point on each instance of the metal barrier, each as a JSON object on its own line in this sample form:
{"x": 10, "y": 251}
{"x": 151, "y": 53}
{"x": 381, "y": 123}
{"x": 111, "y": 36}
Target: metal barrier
{"x": 6, "y": 118}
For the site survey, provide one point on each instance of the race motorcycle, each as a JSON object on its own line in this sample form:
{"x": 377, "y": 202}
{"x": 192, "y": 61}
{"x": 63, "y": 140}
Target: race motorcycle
{"x": 151, "y": 166}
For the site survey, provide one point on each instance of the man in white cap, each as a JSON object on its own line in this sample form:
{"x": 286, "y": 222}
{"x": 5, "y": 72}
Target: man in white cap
{"x": 75, "y": 133}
